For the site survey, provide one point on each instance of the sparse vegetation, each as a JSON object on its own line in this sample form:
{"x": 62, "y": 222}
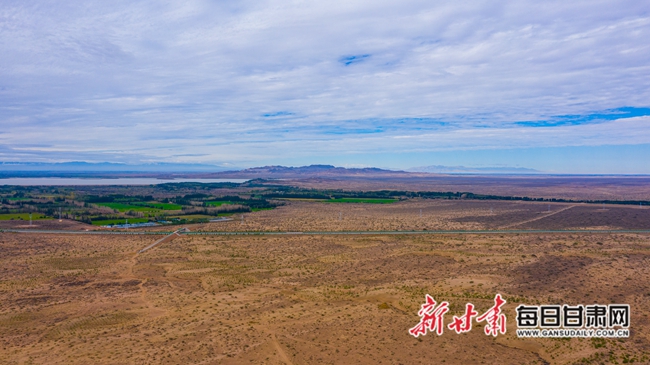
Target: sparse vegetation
{"x": 307, "y": 298}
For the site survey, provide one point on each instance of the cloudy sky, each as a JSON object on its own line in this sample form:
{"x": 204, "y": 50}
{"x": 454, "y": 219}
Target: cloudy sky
{"x": 559, "y": 86}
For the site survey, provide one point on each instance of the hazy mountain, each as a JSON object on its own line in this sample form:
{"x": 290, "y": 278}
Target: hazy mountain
{"x": 309, "y": 171}
{"x": 212, "y": 171}
{"x": 107, "y": 169}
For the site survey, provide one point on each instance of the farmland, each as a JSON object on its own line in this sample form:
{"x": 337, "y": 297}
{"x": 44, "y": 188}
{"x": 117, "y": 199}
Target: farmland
{"x": 142, "y": 206}
{"x": 161, "y": 206}
{"x": 108, "y": 205}
{"x": 126, "y": 207}
{"x": 219, "y": 203}
{"x": 22, "y": 216}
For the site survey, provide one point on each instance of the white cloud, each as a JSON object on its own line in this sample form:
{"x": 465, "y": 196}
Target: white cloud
{"x": 154, "y": 81}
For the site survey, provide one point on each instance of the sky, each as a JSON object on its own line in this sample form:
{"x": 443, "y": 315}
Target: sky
{"x": 556, "y": 86}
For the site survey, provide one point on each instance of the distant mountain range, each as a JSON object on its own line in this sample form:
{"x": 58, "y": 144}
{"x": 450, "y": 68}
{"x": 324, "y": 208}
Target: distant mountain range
{"x": 310, "y": 171}
{"x": 69, "y": 169}
{"x": 170, "y": 170}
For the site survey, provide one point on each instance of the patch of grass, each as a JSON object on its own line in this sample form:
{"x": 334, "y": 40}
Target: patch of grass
{"x": 22, "y": 216}
{"x": 361, "y": 200}
{"x": 106, "y": 222}
{"x": 161, "y": 206}
{"x": 19, "y": 199}
{"x": 127, "y": 207}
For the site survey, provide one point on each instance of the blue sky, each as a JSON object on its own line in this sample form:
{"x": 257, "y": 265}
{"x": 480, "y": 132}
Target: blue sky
{"x": 557, "y": 86}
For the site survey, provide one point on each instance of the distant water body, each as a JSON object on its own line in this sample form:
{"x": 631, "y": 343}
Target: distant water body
{"x": 60, "y": 181}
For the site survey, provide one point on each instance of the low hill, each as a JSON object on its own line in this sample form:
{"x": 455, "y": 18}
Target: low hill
{"x": 310, "y": 171}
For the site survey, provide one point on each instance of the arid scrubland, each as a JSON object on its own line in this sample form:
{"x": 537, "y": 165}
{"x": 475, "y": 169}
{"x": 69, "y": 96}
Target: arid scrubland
{"x": 311, "y": 299}
{"x": 547, "y": 186}
{"x": 418, "y": 215}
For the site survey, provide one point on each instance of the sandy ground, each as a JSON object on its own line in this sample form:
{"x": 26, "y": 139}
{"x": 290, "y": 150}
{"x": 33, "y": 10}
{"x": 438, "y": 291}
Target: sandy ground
{"x": 64, "y": 224}
{"x": 68, "y": 299}
{"x": 537, "y": 186}
{"x": 437, "y": 215}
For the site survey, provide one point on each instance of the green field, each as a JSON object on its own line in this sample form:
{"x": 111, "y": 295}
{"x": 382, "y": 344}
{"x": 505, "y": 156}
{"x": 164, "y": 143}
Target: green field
{"x": 126, "y": 207}
{"x": 19, "y": 199}
{"x": 161, "y": 206}
{"x": 142, "y": 206}
{"x": 219, "y": 203}
{"x": 106, "y": 222}
{"x": 259, "y": 209}
{"x": 362, "y": 200}
{"x": 22, "y": 216}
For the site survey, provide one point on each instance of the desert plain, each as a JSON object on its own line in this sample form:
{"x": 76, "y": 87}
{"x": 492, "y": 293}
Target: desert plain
{"x": 320, "y": 298}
